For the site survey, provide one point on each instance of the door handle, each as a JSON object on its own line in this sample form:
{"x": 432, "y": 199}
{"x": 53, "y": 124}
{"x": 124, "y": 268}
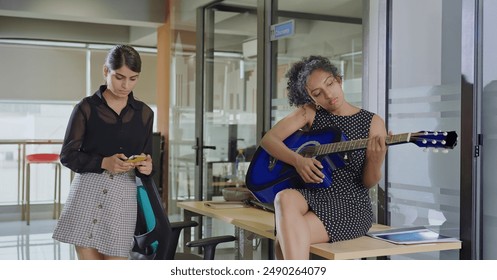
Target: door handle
{"x": 199, "y": 147}
{"x": 209, "y": 147}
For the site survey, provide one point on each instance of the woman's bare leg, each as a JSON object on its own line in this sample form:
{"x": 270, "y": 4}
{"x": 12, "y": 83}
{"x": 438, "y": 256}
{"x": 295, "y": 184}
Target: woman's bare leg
{"x": 297, "y": 228}
{"x": 85, "y": 253}
{"x": 277, "y": 250}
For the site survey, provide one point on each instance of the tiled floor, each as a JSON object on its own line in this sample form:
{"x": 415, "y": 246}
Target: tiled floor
{"x": 19, "y": 241}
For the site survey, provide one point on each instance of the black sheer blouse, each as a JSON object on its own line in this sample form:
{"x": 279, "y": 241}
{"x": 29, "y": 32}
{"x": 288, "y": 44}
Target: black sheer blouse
{"x": 96, "y": 131}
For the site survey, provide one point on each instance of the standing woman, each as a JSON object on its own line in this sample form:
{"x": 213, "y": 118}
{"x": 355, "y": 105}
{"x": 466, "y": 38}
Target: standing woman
{"x": 104, "y": 130}
{"x": 306, "y": 216}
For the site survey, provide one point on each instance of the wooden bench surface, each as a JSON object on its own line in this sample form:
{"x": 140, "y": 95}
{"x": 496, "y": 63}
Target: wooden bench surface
{"x": 366, "y": 247}
{"x": 262, "y": 223}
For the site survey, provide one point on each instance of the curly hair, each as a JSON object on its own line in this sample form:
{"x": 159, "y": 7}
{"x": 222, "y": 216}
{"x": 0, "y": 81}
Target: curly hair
{"x": 300, "y": 72}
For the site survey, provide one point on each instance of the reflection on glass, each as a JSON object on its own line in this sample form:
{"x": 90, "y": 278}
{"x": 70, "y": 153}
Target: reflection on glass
{"x": 489, "y": 131}
{"x": 424, "y": 94}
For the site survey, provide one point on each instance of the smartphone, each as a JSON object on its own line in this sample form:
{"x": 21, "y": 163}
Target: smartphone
{"x": 136, "y": 158}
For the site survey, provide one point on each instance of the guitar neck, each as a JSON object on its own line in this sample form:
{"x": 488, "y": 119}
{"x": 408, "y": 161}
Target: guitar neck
{"x": 356, "y": 144}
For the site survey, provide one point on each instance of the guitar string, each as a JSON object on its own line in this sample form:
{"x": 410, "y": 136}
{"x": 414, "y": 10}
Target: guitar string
{"x": 360, "y": 143}
{"x": 354, "y": 145}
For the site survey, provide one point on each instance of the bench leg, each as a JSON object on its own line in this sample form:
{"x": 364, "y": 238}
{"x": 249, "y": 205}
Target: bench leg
{"x": 243, "y": 245}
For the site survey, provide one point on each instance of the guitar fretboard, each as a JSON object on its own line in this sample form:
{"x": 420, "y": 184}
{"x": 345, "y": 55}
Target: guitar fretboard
{"x": 354, "y": 145}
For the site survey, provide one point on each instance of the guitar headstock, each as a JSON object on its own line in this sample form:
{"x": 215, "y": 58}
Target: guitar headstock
{"x": 435, "y": 139}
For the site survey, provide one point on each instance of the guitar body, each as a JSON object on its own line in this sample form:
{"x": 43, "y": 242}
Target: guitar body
{"x": 266, "y": 176}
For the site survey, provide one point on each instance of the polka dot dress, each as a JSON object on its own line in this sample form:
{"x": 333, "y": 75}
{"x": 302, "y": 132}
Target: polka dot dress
{"x": 345, "y": 208}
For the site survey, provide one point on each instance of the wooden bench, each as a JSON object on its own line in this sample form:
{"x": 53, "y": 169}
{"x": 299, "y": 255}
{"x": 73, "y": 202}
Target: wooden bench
{"x": 252, "y": 220}
{"x": 366, "y": 247}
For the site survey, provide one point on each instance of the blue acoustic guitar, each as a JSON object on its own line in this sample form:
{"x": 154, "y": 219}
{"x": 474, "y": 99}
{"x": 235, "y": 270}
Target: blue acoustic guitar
{"x": 266, "y": 175}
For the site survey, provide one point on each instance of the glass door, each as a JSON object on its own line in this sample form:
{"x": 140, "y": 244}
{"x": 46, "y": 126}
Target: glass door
{"x": 332, "y": 29}
{"x": 225, "y": 102}
{"x": 226, "y": 90}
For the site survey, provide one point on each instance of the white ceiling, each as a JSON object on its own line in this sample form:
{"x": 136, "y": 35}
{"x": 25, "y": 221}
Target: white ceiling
{"x": 93, "y": 21}
{"x": 186, "y": 9}
{"x": 116, "y": 21}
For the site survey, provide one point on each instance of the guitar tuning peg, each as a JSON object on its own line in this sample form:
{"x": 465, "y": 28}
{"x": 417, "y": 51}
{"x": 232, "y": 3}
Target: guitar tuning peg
{"x": 435, "y": 133}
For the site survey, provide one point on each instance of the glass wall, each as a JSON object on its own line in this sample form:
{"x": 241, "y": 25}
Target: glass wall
{"x": 26, "y": 120}
{"x": 489, "y": 131}
{"x": 424, "y": 95}
{"x": 41, "y": 83}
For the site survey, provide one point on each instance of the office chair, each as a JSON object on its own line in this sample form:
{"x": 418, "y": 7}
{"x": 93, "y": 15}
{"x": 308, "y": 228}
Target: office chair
{"x": 156, "y": 238}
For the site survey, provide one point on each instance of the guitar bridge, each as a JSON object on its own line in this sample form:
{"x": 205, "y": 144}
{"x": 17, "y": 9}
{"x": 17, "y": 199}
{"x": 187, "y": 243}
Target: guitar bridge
{"x": 346, "y": 158}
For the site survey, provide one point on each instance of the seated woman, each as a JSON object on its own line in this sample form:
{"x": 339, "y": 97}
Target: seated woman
{"x": 306, "y": 216}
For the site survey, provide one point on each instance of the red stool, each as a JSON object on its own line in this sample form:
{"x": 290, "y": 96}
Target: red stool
{"x": 39, "y": 159}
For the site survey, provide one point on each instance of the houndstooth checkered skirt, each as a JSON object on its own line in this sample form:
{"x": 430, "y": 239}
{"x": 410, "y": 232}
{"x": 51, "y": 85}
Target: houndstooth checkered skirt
{"x": 100, "y": 213}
